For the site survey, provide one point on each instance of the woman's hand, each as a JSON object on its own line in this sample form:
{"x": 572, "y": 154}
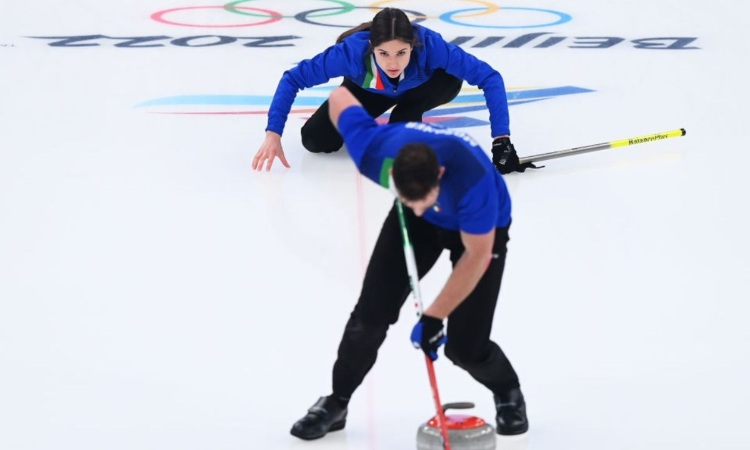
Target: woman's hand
{"x": 269, "y": 150}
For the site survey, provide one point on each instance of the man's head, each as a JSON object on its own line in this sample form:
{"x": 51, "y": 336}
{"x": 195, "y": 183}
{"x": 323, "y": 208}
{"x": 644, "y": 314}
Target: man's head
{"x": 416, "y": 176}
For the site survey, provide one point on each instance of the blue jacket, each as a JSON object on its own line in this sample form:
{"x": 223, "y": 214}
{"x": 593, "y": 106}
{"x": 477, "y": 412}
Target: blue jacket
{"x": 352, "y": 59}
{"x": 473, "y": 196}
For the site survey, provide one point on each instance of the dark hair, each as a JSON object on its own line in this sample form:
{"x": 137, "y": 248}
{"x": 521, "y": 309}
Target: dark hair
{"x": 416, "y": 171}
{"x": 387, "y": 25}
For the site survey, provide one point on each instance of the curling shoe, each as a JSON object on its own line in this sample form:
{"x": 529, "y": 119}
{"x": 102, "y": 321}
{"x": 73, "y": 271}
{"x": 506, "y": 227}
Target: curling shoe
{"x": 511, "y": 413}
{"x": 326, "y": 415}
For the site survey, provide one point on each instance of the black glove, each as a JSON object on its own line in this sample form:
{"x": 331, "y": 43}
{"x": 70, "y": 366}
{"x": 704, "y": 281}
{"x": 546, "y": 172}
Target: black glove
{"x": 428, "y": 335}
{"x": 505, "y": 158}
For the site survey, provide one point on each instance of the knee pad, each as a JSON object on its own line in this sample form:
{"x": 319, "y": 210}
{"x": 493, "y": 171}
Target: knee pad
{"x": 464, "y": 358}
{"x": 453, "y": 355}
{"x": 315, "y": 145}
{"x": 365, "y": 332}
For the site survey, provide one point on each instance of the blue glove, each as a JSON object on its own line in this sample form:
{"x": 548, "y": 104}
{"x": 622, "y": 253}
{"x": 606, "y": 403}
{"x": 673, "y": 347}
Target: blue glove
{"x": 428, "y": 335}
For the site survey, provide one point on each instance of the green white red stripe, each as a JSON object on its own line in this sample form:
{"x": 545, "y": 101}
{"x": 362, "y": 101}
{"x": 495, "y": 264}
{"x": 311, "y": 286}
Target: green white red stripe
{"x": 373, "y": 79}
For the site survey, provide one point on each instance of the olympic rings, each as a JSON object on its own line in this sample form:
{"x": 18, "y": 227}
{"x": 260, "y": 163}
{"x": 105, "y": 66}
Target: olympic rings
{"x": 159, "y": 17}
{"x": 489, "y": 8}
{"x": 344, "y": 7}
{"x": 302, "y": 17}
{"x": 562, "y": 18}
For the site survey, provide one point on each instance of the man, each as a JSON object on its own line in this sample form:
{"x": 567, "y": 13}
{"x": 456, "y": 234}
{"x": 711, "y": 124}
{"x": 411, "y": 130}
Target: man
{"x": 455, "y": 200}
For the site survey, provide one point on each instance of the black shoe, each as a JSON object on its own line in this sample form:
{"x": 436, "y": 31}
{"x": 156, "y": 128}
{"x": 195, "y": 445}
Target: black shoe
{"x": 324, "y": 416}
{"x": 511, "y": 413}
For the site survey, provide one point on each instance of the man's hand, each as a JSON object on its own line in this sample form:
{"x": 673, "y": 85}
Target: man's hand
{"x": 428, "y": 335}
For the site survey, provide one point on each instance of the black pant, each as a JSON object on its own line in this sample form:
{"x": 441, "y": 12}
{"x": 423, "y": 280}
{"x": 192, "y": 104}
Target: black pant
{"x": 320, "y": 136}
{"x": 386, "y": 287}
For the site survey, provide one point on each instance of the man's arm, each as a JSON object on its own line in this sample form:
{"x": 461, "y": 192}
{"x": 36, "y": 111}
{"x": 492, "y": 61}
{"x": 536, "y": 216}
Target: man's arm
{"x": 340, "y": 99}
{"x": 466, "y": 274}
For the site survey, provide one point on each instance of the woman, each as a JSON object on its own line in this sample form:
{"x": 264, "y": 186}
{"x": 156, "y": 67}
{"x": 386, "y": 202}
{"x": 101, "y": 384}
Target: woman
{"x": 385, "y": 63}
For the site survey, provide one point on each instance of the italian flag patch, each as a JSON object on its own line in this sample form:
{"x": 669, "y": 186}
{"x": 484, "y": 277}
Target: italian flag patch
{"x": 373, "y": 80}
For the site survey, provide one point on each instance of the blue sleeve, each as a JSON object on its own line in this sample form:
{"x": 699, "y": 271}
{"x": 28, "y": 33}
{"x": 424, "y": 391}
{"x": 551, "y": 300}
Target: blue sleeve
{"x": 478, "y": 209}
{"x": 459, "y": 63}
{"x": 358, "y": 128}
{"x": 339, "y": 60}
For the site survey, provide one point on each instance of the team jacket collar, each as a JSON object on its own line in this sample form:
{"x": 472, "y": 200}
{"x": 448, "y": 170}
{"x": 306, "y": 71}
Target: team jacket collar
{"x": 374, "y": 77}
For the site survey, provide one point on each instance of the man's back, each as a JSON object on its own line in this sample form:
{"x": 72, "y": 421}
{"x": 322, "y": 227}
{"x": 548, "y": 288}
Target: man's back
{"x": 473, "y": 196}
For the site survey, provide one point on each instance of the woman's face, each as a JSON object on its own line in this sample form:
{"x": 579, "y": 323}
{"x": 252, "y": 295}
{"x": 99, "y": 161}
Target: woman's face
{"x": 393, "y": 57}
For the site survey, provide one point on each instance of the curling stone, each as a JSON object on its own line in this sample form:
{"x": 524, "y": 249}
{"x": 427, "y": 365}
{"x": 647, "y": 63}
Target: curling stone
{"x": 465, "y": 432}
